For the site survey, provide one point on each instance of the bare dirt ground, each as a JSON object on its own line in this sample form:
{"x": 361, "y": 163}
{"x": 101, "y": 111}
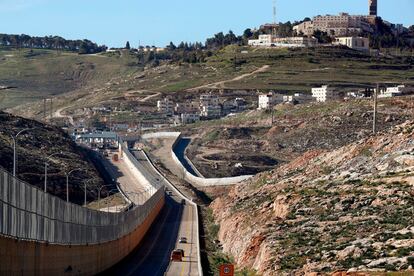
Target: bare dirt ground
{"x": 250, "y": 143}
{"x": 221, "y": 84}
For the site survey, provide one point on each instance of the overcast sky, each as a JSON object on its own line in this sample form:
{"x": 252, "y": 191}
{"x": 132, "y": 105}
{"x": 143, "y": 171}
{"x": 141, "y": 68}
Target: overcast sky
{"x": 158, "y": 22}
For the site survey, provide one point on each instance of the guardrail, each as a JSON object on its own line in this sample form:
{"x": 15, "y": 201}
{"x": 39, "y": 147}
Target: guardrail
{"x": 28, "y": 213}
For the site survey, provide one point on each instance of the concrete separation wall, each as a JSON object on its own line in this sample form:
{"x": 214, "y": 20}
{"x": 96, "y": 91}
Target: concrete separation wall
{"x": 195, "y": 180}
{"x": 130, "y": 160}
{"x": 22, "y": 257}
{"x": 41, "y": 234}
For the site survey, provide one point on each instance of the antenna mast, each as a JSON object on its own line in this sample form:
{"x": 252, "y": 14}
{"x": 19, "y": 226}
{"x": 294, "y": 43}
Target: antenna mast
{"x": 274, "y": 17}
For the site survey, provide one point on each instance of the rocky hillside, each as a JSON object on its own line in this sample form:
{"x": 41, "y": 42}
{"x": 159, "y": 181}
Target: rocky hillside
{"x": 350, "y": 209}
{"x": 34, "y": 146}
{"x": 249, "y": 143}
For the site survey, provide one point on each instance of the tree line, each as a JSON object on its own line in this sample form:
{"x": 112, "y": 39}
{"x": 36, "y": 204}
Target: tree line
{"x": 50, "y": 42}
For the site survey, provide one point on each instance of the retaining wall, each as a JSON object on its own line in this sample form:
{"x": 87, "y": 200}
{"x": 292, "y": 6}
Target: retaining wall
{"x": 195, "y": 180}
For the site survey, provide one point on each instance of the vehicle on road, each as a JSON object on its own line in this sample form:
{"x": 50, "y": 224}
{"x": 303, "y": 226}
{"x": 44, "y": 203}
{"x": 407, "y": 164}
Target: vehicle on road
{"x": 183, "y": 240}
{"x": 182, "y": 201}
{"x": 177, "y": 255}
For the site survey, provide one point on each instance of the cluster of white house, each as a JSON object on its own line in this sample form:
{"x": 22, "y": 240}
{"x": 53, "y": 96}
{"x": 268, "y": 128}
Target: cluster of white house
{"x": 207, "y": 107}
{"x": 268, "y": 40}
{"x": 328, "y": 93}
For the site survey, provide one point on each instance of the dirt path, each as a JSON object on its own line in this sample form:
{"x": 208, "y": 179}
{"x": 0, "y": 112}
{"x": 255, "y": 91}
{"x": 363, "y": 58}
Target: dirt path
{"x": 146, "y": 98}
{"x": 220, "y": 84}
{"x": 58, "y": 114}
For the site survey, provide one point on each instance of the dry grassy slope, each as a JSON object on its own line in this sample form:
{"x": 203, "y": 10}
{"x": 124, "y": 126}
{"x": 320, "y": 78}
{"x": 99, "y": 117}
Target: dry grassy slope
{"x": 346, "y": 209}
{"x": 46, "y": 73}
{"x": 250, "y": 139}
{"x": 34, "y": 146}
{"x": 113, "y": 77}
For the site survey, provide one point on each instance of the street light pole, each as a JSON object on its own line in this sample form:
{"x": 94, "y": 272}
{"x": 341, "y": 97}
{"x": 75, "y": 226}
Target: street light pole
{"x": 14, "y": 148}
{"x": 99, "y": 189}
{"x": 67, "y": 182}
{"x": 85, "y": 188}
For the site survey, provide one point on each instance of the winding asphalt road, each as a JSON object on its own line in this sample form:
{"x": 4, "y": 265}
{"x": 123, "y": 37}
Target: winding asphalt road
{"x": 177, "y": 219}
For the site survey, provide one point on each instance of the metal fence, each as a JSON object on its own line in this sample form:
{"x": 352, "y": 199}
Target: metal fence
{"x": 28, "y": 213}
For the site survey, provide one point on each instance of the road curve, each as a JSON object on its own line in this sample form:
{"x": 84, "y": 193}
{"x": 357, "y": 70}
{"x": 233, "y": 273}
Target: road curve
{"x": 177, "y": 219}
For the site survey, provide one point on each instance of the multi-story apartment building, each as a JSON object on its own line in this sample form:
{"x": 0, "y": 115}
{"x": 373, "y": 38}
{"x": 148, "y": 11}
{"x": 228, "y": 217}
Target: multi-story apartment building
{"x": 166, "y": 106}
{"x": 210, "y": 106}
{"x": 187, "y": 107}
{"x": 325, "y": 93}
{"x": 336, "y": 25}
{"x": 210, "y": 111}
{"x": 188, "y": 118}
{"x": 267, "y": 101}
{"x": 305, "y": 28}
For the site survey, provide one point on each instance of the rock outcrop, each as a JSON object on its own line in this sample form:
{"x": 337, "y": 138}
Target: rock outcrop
{"x": 329, "y": 212}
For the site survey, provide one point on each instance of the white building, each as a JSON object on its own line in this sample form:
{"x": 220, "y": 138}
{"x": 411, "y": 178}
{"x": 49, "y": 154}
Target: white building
{"x": 353, "y": 42}
{"x": 166, "y": 106}
{"x": 396, "y": 91}
{"x": 268, "y": 40}
{"x": 337, "y": 25}
{"x": 357, "y": 95}
{"x": 267, "y": 101}
{"x": 324, "y": 94}
{"x": 210, "y": 106}
{"x": 210, "y": 111}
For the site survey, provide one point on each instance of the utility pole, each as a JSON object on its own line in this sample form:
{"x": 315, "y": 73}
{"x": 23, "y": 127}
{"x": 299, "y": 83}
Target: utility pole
{"x": 110, "y": 121}
{"x": 274, "y": 17}
{"x": 374, "y": 121}
{"x": 44, "y": 108}
{"x": 51, "y": 108}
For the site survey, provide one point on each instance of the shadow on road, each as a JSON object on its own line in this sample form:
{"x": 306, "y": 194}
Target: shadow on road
{"x": 152, "y": 255}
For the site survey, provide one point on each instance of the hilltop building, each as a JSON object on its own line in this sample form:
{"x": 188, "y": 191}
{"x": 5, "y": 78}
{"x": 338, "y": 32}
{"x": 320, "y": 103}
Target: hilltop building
{"x": 268, "y": 40}
{"x": 325, "y": 93}
{"x": 336, "y": 25}
{"x": 353, "y": 42}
